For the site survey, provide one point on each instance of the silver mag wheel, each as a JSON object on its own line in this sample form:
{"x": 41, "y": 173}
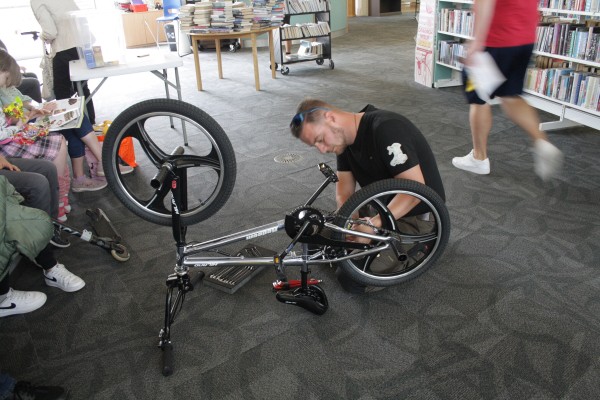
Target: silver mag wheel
{"x": 420, "y": 247}
{"x": 155, "y": 128}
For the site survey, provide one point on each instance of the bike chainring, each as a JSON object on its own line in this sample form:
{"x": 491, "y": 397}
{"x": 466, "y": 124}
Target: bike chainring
{"x": 295, "y": 220}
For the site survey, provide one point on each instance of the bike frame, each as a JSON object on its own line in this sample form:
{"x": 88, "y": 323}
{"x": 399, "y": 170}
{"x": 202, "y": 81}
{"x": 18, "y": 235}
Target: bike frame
{"x": 186, "y": 253}
{"x": 308, "y": 295}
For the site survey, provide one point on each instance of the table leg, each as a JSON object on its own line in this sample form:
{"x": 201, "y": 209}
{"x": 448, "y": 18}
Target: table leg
{"x": 178, "y": 84}
{"x": 197, "y": 63}
{"x": 255, "y": 57}
{"x": 272, "y": 53}
{"x": 165, "y": 80}
{"x": 218, "y": 48}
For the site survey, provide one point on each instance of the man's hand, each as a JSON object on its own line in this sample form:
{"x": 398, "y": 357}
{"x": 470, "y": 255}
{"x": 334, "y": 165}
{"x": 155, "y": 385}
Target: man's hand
{"x": 364, "y": 229}
{"x": 5, "y": 164}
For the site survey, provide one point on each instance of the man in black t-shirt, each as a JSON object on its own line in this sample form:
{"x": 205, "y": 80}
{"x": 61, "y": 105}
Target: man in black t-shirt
{"x": 370, "y": 146}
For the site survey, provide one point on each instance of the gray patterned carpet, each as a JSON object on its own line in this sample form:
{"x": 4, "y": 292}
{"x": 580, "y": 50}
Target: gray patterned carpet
{"x": 512, "y": 310}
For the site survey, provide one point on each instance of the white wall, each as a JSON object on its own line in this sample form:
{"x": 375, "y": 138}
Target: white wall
{"x": 16, "y": 17}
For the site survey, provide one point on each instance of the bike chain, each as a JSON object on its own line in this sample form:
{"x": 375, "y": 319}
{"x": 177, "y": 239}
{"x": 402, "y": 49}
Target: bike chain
{"x": 357, "y": 222}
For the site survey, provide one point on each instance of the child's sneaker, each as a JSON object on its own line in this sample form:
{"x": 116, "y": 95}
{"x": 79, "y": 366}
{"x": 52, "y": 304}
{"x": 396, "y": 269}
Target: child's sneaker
{"x": 19, "y": 302}
{"x": 62, "y": 215}
{"x": 66, "y": 206}
{"x": 124, "y": 169}
{"x": 85, "y": 184}
{"x": 471, "y": 164}
{"x": 60, "y": 277}
{"x": 57, "y": 240}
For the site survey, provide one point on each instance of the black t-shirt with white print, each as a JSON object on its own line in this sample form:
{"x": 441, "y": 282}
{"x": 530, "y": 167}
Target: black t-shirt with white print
{"x": 387, "y": 144}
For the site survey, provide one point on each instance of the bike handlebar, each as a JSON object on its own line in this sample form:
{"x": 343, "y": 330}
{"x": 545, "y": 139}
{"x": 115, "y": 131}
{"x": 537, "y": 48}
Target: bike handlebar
{"x": 164, "y": 169}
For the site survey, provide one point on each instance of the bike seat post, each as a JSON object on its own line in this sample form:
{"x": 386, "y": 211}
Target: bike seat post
{"x": 304, "y": 271}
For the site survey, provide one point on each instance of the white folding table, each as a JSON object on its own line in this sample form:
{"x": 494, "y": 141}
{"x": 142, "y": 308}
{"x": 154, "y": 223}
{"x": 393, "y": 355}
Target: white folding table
{"x": 153, "y": 63}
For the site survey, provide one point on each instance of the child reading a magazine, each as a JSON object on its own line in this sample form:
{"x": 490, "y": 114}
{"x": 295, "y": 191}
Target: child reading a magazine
{"x": 78, "y": 138}
{"x": 18, "y": 139}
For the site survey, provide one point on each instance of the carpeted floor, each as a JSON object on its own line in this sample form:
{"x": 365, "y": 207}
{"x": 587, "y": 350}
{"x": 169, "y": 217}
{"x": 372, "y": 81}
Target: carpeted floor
{"x": 511, "y": 311}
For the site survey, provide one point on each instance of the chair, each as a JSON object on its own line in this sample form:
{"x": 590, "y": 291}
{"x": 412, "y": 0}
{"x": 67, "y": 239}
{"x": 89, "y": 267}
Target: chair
{"x": 170, "y": 14}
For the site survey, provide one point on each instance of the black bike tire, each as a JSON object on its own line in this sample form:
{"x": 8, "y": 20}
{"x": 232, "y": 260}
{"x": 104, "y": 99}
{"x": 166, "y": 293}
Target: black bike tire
{"x": 371, "y": 191}
{"x": 117, "y": 130}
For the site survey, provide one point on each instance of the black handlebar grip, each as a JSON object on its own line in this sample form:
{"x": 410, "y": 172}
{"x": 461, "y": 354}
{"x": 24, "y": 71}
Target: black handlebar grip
{"x": 160, "y": 176}
{"x": 167, "y": 359}
{"x": 162, "y": 173}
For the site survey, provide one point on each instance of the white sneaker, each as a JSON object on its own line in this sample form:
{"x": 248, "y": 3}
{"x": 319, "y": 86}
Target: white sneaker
{"x": 548, "y": 159}
{"x": 60, "y": 277}
{"x": 469, "y": 163}
{"x": 19, "y": 302}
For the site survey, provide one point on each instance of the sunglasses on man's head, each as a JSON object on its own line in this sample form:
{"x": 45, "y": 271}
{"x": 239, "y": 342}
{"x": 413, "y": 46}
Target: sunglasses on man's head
{"x": 299, "y": 118}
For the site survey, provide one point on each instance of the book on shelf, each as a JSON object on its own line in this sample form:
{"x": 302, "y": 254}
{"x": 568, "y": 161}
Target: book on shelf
{"x": 310, "y": 50}
{"x": 305, "y": 6}
{"x": 589, "y": 6}
{"x": 580, "y": 88}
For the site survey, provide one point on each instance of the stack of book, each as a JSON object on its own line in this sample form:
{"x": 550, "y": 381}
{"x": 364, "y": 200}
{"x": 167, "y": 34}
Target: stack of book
{"x": 242, "y": 15}
{"x": 221, "y": 19}
{"x": 186, "y": 17}
{"x": 262, "y": 13}
{"x": 277, "y": 12}
{"x": 202, "y": 11}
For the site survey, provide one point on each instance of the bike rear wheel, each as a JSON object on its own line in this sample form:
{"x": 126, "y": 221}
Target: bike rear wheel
{"x": 155, "y": 128}
{"x": 422, "y": 242}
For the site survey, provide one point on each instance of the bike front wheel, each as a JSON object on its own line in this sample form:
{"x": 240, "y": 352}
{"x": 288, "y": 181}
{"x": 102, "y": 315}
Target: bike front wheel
{"x": 422, "y": 237}
{"x": 152, "y": 129}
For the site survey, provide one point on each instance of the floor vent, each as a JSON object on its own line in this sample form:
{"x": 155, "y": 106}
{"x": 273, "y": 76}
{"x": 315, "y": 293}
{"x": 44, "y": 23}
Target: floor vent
{"x": 288, "y": 158}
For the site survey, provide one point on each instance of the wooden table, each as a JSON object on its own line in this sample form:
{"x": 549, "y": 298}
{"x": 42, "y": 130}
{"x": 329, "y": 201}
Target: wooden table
{"x": 217, "y": 37}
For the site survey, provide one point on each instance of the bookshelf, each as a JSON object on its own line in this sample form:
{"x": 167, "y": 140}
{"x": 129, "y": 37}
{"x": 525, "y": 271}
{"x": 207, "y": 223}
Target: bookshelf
{"x": 453, "y": 26}
{"x": 314, "y": 37}
{"x": 565, "y": 80}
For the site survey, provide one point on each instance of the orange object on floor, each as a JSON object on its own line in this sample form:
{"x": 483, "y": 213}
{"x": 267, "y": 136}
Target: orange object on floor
{"x": 126, "y": 150}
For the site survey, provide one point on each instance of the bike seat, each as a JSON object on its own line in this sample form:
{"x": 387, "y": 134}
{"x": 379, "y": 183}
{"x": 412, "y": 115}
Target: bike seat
{"x": 312, "y": 298}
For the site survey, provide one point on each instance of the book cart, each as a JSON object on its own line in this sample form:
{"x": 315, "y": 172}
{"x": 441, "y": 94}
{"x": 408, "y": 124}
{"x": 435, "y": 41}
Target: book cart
{"x": 570, "y": 90}
{"x": 315, "y": 38}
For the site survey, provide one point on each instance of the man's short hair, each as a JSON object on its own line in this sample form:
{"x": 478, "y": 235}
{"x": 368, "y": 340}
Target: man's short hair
{"x": 304, "y": 114}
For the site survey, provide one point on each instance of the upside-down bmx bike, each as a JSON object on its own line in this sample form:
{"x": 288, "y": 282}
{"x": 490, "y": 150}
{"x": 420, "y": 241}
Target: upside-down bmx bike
{"x": 180, "y": 185}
